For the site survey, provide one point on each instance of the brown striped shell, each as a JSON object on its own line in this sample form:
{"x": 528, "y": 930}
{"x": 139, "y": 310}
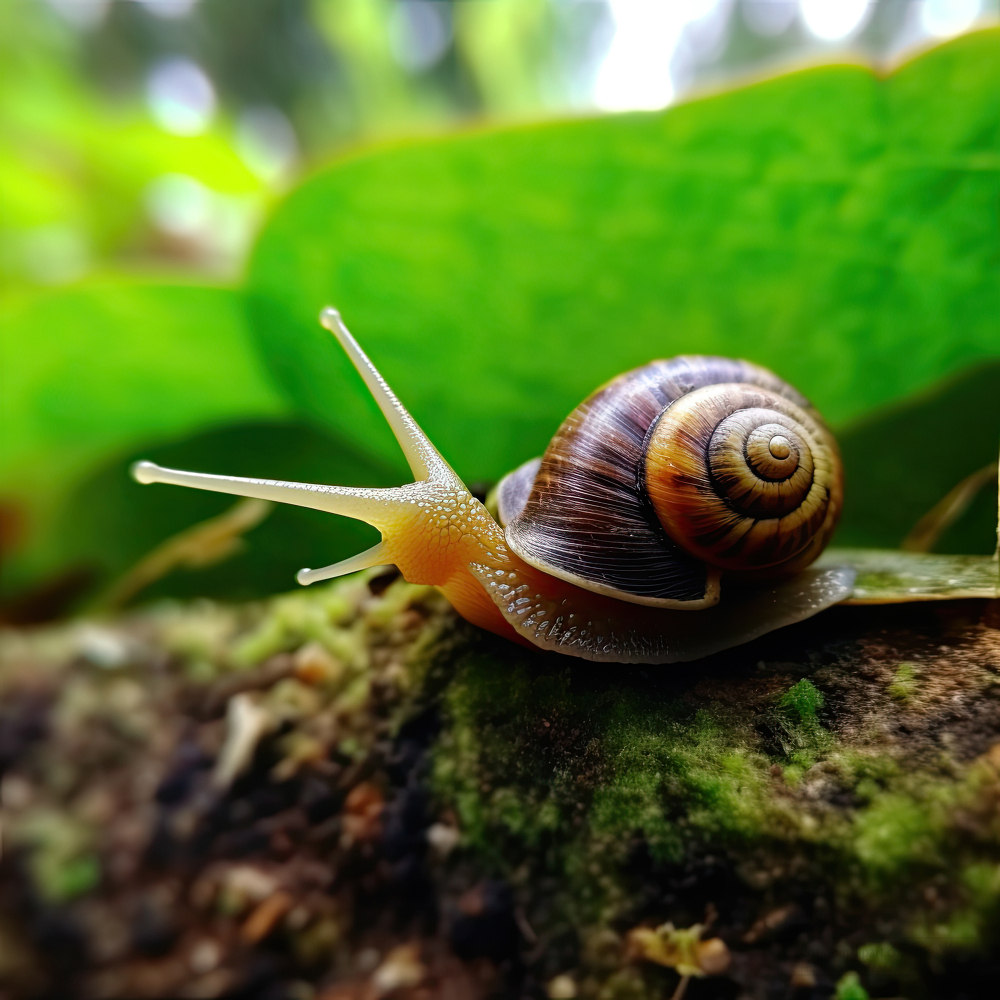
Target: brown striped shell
{"x": 671, "y": 475}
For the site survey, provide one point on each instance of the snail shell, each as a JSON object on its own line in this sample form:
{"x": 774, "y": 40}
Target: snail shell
{"x": 672, "y": 474}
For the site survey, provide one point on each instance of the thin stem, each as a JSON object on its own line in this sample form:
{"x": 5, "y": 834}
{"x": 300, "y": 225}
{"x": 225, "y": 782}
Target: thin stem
{"x": 948, "y": 510}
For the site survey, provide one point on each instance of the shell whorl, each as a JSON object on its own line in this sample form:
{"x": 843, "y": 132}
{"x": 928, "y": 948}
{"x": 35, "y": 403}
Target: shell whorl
{"x": 743, "y": 478}
{"x": 673, "y": 473}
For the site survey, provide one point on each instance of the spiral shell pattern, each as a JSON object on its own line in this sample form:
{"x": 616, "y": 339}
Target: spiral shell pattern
{"x": 743, "y": 478}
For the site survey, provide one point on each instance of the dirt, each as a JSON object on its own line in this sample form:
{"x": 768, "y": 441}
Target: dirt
{"x": 349, "y": 793}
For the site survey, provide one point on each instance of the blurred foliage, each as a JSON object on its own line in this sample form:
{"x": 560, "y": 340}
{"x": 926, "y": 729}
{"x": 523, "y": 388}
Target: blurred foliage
{"x": 901, "y": 460}
{"x": 834, "y": 226}
{"x": 81, "y": 148}
{"x": 74, "y": 168}
{"x": 100, "y": 368}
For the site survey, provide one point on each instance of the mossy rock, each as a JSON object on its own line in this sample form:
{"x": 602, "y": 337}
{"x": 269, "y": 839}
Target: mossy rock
{"x": 811, "y": 815}
{"x": 825, "y": 796}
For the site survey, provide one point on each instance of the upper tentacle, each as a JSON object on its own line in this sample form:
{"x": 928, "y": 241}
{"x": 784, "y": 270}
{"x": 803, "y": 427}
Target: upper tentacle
{"x": 424, "y": 459}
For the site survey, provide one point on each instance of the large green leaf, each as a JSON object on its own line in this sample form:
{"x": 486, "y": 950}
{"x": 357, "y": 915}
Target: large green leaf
{"x": 835, "y": 226}
{"x": 900, "y": 461}
{"x": 93, "y": 371}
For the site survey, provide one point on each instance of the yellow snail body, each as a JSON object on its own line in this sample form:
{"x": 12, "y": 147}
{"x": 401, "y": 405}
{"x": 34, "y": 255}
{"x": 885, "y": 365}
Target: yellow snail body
{"x": 661, "y": 486}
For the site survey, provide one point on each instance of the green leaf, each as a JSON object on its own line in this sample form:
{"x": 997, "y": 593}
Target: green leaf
{"x": 888, "y": 576}
{"x": 93, "y": 371}
{"x": 900, "y": 461}
{"x": 835, "y": 226}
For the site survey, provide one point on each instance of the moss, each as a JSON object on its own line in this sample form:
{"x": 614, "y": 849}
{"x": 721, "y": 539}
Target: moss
{"x": 881, "y": 957}
{"x": 564, "y": 771}
{"x": 849, "y": 988}
{"x": 803, "y": 738}
{"x": 800, "y": 806}
{"x": 801, "y": 703}
{"x": 539, "y": 762}
{"x": 74, "y": 878}
{"x": 897, "y": 831}
{"x": 904, "y": 683}
{"x": 967, "y": 927}
{"x": 61, "y": 854}
{"x": 526, "y": 754}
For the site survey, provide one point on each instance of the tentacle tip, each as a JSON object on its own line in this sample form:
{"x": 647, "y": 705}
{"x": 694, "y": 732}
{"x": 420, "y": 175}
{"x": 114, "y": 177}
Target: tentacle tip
{"x": 330, "y": 318}
{"x": 304, "y": 577}
{"x": 144, "y": 472}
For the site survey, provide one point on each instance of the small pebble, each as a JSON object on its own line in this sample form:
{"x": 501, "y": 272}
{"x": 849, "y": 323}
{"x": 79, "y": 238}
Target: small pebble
{"x": 443, "y": 838}
{"x": 803, "y": 976}
{"x": 205, "y": 956}
{"x": 561, "y": 988}
{"x": 402, "y": 969}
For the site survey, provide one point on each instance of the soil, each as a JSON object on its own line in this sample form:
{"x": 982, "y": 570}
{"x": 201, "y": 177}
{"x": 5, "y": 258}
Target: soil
{"x": 349, "y": 793}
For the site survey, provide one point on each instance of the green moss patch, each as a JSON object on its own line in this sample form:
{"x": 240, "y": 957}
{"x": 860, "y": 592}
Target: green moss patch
{"x": 780, "y": 773}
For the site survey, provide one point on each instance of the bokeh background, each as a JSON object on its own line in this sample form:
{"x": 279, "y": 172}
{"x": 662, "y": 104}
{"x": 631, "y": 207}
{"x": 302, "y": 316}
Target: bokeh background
{"x": 186, "y": 182}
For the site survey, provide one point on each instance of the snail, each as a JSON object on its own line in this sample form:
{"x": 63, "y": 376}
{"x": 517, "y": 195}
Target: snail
{"x": 665, "y": 484}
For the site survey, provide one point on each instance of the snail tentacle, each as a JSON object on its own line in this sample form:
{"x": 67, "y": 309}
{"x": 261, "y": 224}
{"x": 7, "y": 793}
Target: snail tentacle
{"x": 390, "y": 510}
{"x": 424, "y": 459}
{"x": 375, "y": 556}
{"x": 357, "y": 502}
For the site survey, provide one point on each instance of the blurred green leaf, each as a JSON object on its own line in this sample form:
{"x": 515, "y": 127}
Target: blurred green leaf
{"x": 837, "y": 227}
{"x": 93, "y": 371}
{"x": 75, "y": 169}
{"x": 899, "y": 462}
{"x": 888, "y": 576}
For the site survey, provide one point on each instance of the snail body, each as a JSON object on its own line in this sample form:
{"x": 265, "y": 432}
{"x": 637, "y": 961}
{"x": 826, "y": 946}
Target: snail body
{"x": 615, "y": 543}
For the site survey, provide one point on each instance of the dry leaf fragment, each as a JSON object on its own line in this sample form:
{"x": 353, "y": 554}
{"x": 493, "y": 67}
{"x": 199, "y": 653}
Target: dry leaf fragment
{"x": 201, "y": 545}
{"x": 246, "y": 723}
{"x": 261, "y": 921}
{"x": 362, "y": 819}
{"x": 772, "y": 921}
{"x": 401, "y": 969}
{"x": 679, "y": 948}
{"x": 314, "y": 664}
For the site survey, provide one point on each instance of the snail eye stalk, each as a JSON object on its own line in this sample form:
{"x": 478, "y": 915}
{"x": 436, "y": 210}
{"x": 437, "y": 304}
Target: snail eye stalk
{"x": 385, "y": 509}
{"x": 423, "y": 458}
